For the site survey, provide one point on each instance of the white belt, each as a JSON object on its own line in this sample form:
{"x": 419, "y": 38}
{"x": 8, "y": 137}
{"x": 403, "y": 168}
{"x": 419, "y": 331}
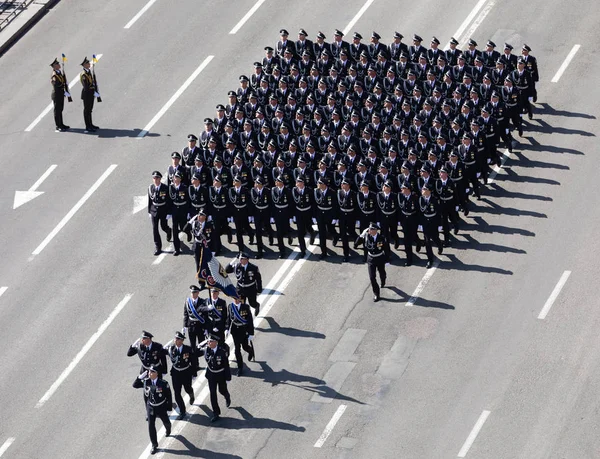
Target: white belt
{"x": 158, "y": 205}
{"x": 388, "y": 213}
{"x": 181, "y": 369}
{"x": 447, "y": 199}
{"x": 182, "y": 204}
{"x": 247, "y": 285}
{"x": 240, "y": 207}
{"x": 279, "y": 206}
{"x": 377, "y": 255}
{"x": 157, "y": 404}
{"x": 430, "y": 215}
{"x": 324, "y": 208}
{"x": 408, "y": 214}
{"x": 303, "y": 210}
{"x": 214, "y": 371}
{"x": 219, "y": 207}
{"x": 262, "y": 207}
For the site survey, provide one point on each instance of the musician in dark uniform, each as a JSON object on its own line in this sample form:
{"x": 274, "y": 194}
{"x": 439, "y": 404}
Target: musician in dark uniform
{"x": 280, "y": 210}
{"x": 158, "y": 209}
{"x": 242, "y": 331}
{"x": 150, "y": 353}
{"x": 326, "y": 211}
{"x": 88, "y": 92}
{"x": 260, "y": 196}
{"x": 184, "y": 367}
{"x": 217, "y": 373}
{"x": 194, "y": 319}
{"x": 378, "y": 254}
{"x": 303, "y": 211}
{"x": 249, "y": 279}
{"x": 219, "y": 211}
{"x": 215, "y": 309}
{"x": 159, "y": 401}
{"x": 347, "y": 217}
{"x": 409, "y": 219}
{"x": 60, "y": 90}
{"x": 429, "y": 207}
{"x": 445, "y": 190}
{"x": 178, "y": 195}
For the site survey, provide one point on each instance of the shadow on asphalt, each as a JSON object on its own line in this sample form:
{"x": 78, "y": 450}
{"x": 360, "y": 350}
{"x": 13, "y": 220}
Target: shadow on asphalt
{"x": 544, "y": 127}
{"x": 482, "y": 226}
{"x": 455, "y": 263}
{"x": 470, "y": 243}
{"x": 495, "y": 190}
{"x": 423, "y": 302}
{"x": 109, "y": 133}
{"x": 525, "y": 162}
{"x": 192, "y": 451}
{"x": 496, "y": 209}
{"x": 274, "y": 327}
{"x": 547, "y": 109}
{"x": 550, "y": 148}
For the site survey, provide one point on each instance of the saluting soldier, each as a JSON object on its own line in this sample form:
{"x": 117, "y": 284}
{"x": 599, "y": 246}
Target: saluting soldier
{"x": 60, "y": 90}
{"x": 178, "y": 195}
{"x": 430, "y": 221}
{"x": 150, "y": 354}
{"x": 158, "y": 209}
{"x": 445, "y": 190}
{"x": 347, "y": 217}
{"x": 183, "y": 368}
{"x": 303, "y": 212}
{"x": 201, "y": 229}
{"x": 89, "y": 91}
{"x": 261, "y": 213}
{"x": 194, "y": 318}
{"x": 215, "y": 309}
{"x": 280, "y": 211}
{"x": 217, "y": 373}
{"x": 378, "y": 254}
{"x": 249, "y": 279}
{"x": 409, "y": 218}
{"x": 242, "y": 331}
{"x": 159, "y": 401}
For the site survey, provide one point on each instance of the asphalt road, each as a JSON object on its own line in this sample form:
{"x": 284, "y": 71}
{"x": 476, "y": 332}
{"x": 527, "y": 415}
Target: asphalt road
{"x": 414, "y": 380}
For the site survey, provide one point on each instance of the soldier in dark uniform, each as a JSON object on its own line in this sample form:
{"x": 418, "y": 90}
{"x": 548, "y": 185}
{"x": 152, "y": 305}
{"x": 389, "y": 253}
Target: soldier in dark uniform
{"x": 158, "y": 209}
{"x": 467, "y": 153}
{"x": 197, "y": 191}
{"x": 217, "y": 373}
{"x": 183, "y": 369}
{"x": 174, "y": 167}
{"x": 249, "y": 279}
{"x": 453, "y": 53}
{"x": 347, "y": 217}
{"x": 532, "y": 67}
{"x": 195, "y": 322}
{"x": 260, "y": 197}
{"x": 456, "y": 172}
{"x": 366, "y": 205}
{"x": 409, "y": 219}
{"x": 219, "y": 211}
{"x": 178, "y": 195}
{"x": 524, "y": 82}
{"x": 239, "y": 199}
{"x": 150, "y": 354}
{"x": 215, "y": 309}
{"x": 387, "y": 204}
{"x": 326, "y": 212}
{"x": 201, "y": 230}
{"x": 189, "y": 153}
{"x": 378, "y": 254}
{"x": 430, "y": 221}
{"x": 60, "y": 90}
{"x": 512, "y": 101}
{"x": 88, "y": 93}
{"x": 303, "y": 211}
{"x": 446, "y": 192}
{"x": 159, "y": 401}
{"x": 281, "y": 200}
{"x": 242, "y": 331}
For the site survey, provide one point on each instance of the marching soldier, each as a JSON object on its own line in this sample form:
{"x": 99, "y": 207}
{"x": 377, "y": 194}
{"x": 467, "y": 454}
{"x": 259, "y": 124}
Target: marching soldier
{"x": 217, "y": 373}
{"x": 176, "y": 166}
{"x": 409, "y": 219}
{"x": 178, "y": 194}
{"x": 512, "y": 101}
{"x": 367, "y": 205}
{"x": 159, "y": 401}
{"x": 151, "y": 355}
{"x": 88, "y": 93}
{"x": 430, "y": 221}
{"x": 445, "y": 190}
{"x": 532, "y": 67}
{"x": 242, "y": 331}
{"x": 326, "y": 213}
{"x": 220, "y": 212}
{"x": 249, "y": 279}
{"x": 194, "y": 318}
{"x": 183, "y": 369}
{"x": 347, "y": 218}
{"x": 281, "y": 199}
{"x": 239, "y": 199}
{"x": 387, "y": 204}
{"x": 158, "y": 209}
{"x": 197, "y": 193}
{"x": 189, "y": 153}
{"x": 456, "y": 171}
{"x": 60, "y": 90}
{"x": 524, "y": 83}
{"x": 215, "y": 309}
{"x": 304, "y": 210}
{"x": 201, "y": 230}
{"x": 378, "y": 254}
{"x": 261, "y": 199}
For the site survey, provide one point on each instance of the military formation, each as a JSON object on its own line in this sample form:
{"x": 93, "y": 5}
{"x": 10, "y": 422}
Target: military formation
{"x": 374, "y": 145}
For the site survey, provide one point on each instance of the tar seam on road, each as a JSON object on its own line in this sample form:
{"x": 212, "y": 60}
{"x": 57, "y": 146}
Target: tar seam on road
{"x": 50, "y": 105}
{"x": 330, "y": 425}
{"x": 415, "y": 296}
{"x": 83, "y": 351}
{"x": 566, "y": 63}
{"x": 74, "y": 210}
{"x": 273, "y": 291}
{"x": 247, "y": 16}
{"x": 473, "y": 435}
{"x": 137, "y": 16}
{"x": 466, "y": 22}
{"x": 2, "y": 290}
{"x": 552, "y": 298}
{"x": 357, "y": 16}
{"x": 6, "y": 445}
{"x": 175, "y": 96}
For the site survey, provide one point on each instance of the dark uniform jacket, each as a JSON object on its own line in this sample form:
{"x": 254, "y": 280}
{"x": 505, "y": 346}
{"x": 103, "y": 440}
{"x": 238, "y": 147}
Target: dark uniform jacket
{"x": 152, "y": 355}
{"x": 159, "y": 202}
{"x": 158, "y": 396}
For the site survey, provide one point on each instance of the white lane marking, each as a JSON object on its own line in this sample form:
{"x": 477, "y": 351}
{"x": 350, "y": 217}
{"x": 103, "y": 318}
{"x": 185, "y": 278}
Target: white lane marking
{"x": 74, "y": 210}
{"x": 330, "y": 425}
{"x": 565, "y": 64}
{"x": 415, "y": 296}
{"x": 83, "y": 351}
{"x": 358, "y": 15}
{"x": 139, "y": 202}
{"x": 496, "y": 169}
{"x": 163, "y": 255}
{"x": 466, "y": 22}
{"x": 22, "y": 197}
{"x": 73, "y": 82}
{"x": 6, "y": 445}
{"x": 473, "y": 435}
{"x": 200, "y": 384}
{"x": 477, "y": 22}
{"x": 552, "y": 298}
{"x": 252, "y": 10}
{"x": 137, "y": 16}
{"x": 175, "y": 96}
{"x": 2, "y": 290}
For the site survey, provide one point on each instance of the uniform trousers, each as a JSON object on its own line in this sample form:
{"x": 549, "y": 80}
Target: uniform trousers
{"x": 154, "y": 412}
{"x": 220, "y": 384}
{"x": 375, "y": 265}
{"x": 182, "y": 379}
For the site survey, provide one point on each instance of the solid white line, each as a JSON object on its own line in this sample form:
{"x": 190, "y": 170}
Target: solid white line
{"x": 175, "y": 96}
{"x": 74, "y": 210}
{"x": 83, "y": 351}
{"x": 2, "y": 290}
{"x": 466, "y": 22}
{"x": 358, "y": 15}
{"x": 550, "y": 301}
{"x": 566, "y": 63}
{"x": 473, "y": 435}
{"x": 6, "y": 445}
{"x": 422, "y": 284}
{"x": 496, "y": 169}
{"x": 162, "y": 256}
{"x": 252, "y": 10}
{"x": 469, "y": 33}
{"x": 44, "y": 176}
{"x": 200, "y": 384}
{"x": 73, "y": 82}
{"x": 137, "y": 16}
{"x": 329, "y": 427}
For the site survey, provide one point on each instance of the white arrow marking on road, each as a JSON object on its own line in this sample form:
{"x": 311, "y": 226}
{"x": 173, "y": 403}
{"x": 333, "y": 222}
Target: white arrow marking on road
{"x": 139, "y": 202}
{"x": 23, "y": 197}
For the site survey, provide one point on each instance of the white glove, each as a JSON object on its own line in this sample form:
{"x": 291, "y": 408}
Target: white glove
{"x": 149, "y": 215}
{"x": 467, "y": 190}
{"x": 456, "y": 208}
{"x": 250, "y": 338}
{"x": 506, "y": 131}
{"x": 67, "y": 94}
{"x": 166, "y": 346}
{"x": 357, "y": 223}
{"x": 96, "y": 94}
{"x": 334, "y": 222}
{"x": 388, "y": 263}
{"x": 420, "y": 227}
{"x": 137, "y": 343}
{"x": 440, "y": 228}
{"x": 209, "y": 219}
{"x": 314, "y": 220}
{"x": 215, "y": 329}
{"x": 291, "y": 221}
{"x": 230, "y": 219}
{"x": 181, "y": 235}
{"x": 272, "y": 220}
{"x": 210, "y": 307}
{"x": 226, "y": 334}
{"x": 478, "y": 174}
{"x": 530, "y": 99}
{"x": 184, "y": 330}
{"x": 294, "y": 219}
{"x": 378, "y": 223}
{"x": 364, "y": 233}
{"x": 489, "y": 160}
{"x": 252, "y": 221}
{"x": 249, "y": 219}
{"x": 143, "y": 375}
{"x": 168, "y": 217}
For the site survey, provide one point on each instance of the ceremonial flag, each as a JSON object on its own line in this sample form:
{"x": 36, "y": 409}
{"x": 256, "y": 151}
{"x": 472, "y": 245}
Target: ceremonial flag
{"x": 64, "y": 58}
{"x": 212, "y": 274}
{"x": 94, "y": 59}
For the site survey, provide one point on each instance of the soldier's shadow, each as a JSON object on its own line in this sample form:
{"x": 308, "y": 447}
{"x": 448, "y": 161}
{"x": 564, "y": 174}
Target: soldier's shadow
{"x": 193, "y": 451}
{"x": 110, "y": 133}
{"x": 274, "y": 327}
{"x": 547, "y": 109}
{"x": 423, "y": 302}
